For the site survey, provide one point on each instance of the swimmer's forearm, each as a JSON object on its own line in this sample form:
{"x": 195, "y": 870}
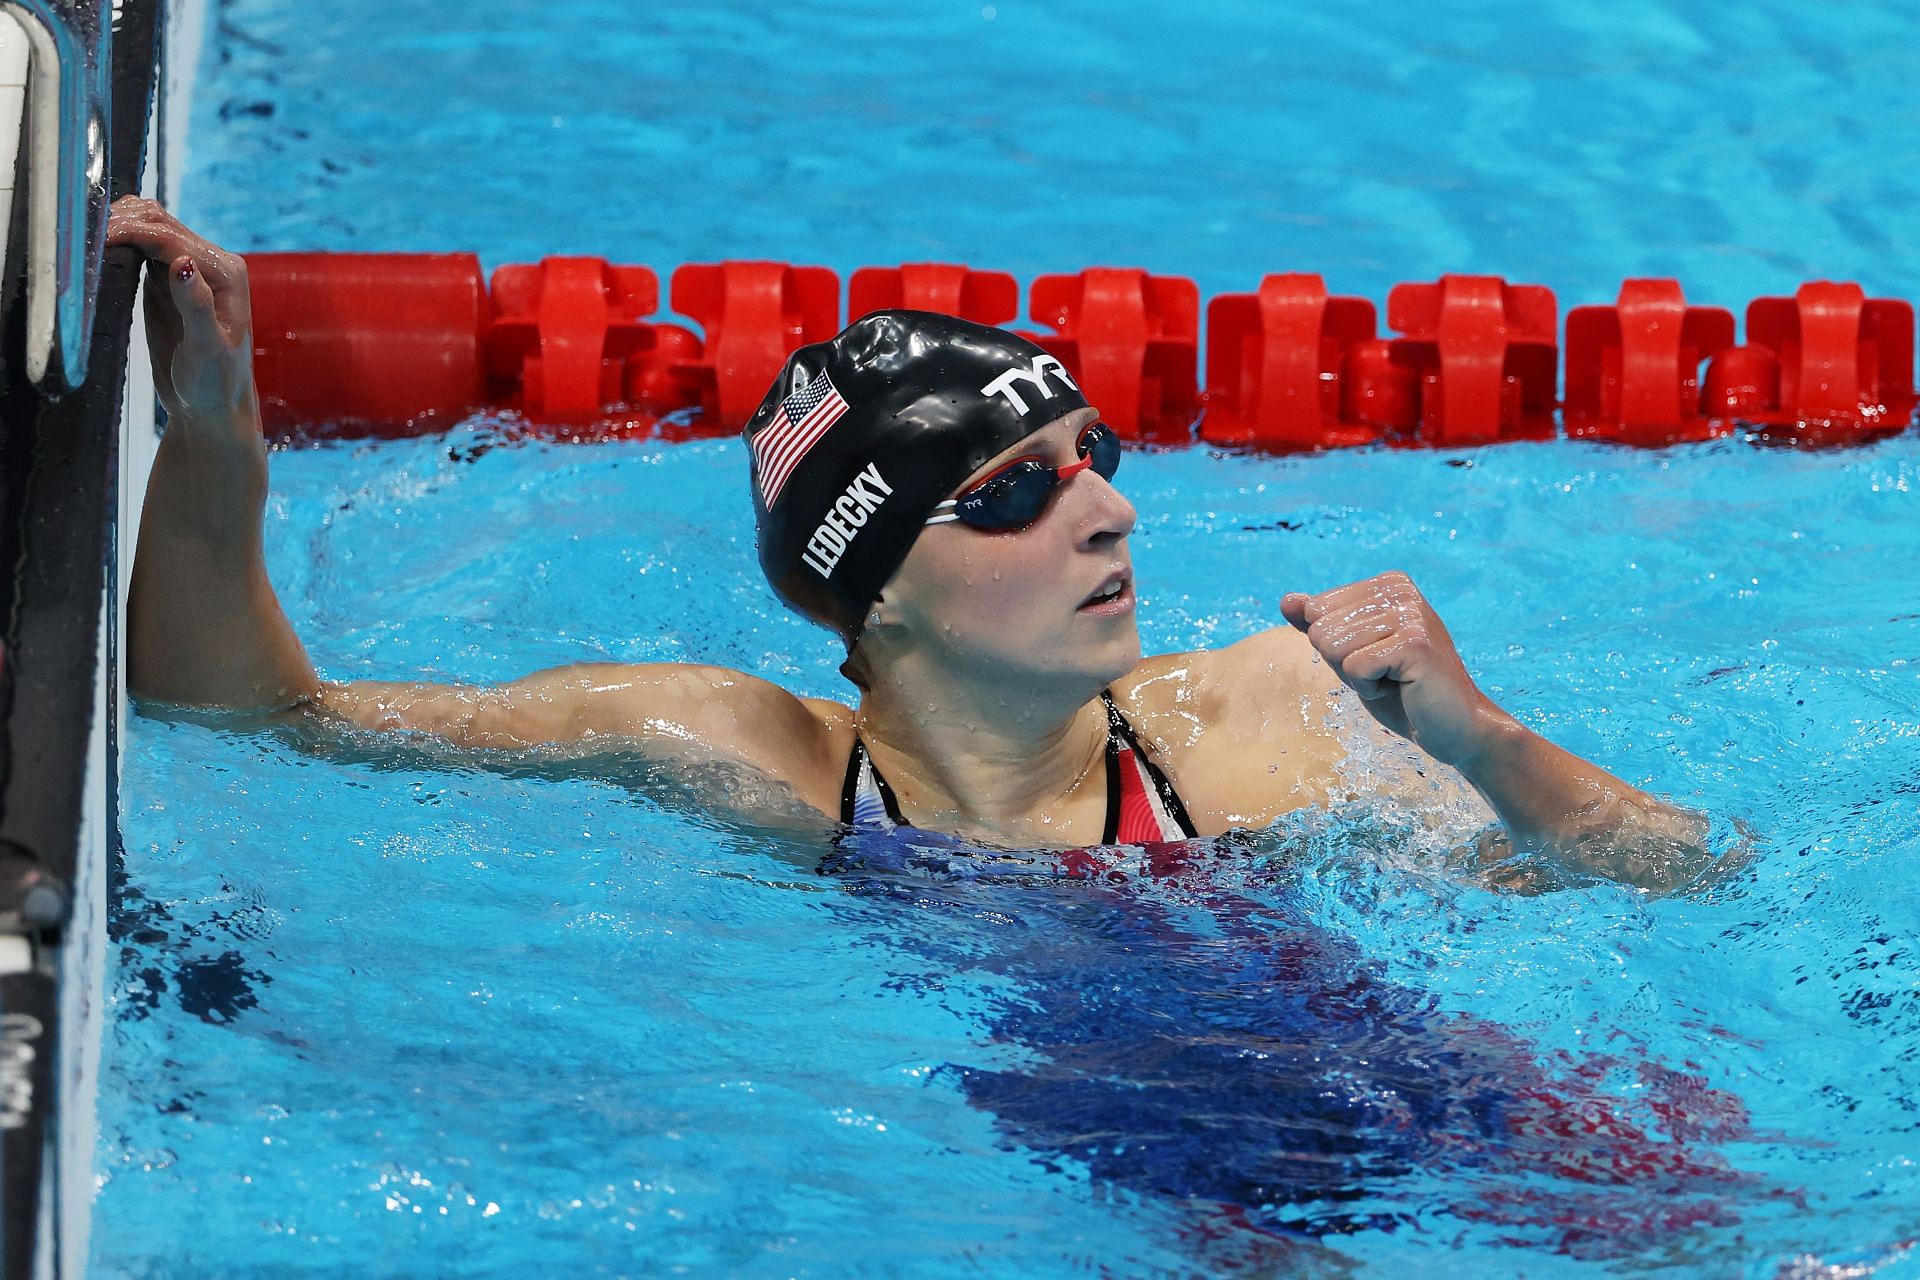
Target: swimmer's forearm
{"x": 1555, "y": 804}
{"x": 203, "y": 623}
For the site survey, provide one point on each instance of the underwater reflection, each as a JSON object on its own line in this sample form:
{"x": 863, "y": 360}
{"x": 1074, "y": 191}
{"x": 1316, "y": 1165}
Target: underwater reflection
{"x": 1190, "y": 1032}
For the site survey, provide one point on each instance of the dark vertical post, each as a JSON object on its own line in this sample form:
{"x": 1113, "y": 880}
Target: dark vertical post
{"x": 59, "y": 492}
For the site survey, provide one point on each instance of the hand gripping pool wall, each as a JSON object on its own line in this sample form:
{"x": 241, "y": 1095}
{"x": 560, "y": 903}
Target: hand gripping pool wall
{"x": 405, "y": 343}
{"x": 75, "y": 403}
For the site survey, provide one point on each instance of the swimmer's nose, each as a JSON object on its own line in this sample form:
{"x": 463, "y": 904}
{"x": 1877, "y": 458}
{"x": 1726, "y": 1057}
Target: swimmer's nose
{"x": 1105, "y": 515}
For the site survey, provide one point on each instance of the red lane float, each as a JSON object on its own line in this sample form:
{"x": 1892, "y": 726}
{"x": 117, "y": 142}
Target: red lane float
{"x": 1834, "y": 361}
{"x": 755, "y": 314}
{"x": 1633, "y": 369}
{"x": 564, "y": 332}
{"x": 1291, "y": 367}
{"x": 1132, "y": 341}
{"x": 984, "y": 297}
{"x": 403, "y": 343}
{"x": 387, "y": 343}
{"x": 1486, "y": 356}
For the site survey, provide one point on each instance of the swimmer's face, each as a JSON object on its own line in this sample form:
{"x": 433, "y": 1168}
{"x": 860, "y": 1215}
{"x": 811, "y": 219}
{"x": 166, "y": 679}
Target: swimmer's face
{"x": 1037, "y": 602}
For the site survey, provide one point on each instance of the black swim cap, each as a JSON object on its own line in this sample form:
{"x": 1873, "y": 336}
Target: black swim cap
{"x": 862, "y": 436}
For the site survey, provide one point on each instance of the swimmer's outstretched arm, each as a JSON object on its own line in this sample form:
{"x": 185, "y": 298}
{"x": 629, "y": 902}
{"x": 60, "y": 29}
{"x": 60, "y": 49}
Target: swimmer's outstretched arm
{"x": 666, "y": 710}
{"x": 1383, "y": 639}
{"x": 205, "y": 628}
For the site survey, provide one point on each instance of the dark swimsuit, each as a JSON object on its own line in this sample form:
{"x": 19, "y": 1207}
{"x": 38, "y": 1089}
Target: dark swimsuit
{"x": 1142, "y": 806}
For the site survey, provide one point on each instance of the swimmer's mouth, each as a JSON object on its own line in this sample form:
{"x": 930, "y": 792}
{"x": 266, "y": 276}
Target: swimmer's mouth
{"x": 1114, "y": 595}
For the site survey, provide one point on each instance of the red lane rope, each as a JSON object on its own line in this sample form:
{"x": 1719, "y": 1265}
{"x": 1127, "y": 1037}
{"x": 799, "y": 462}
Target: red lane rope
{"x": 405, "y": 344}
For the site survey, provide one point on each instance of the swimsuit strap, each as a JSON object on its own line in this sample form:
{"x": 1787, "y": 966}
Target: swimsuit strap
{"x": 1149, "y": 808}
{"x": 1142, "y": 806}
{"x": 865, "y": 798}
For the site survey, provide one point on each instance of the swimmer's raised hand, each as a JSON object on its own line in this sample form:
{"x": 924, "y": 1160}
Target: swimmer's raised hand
{"x": 1384, "y": 640}
{"x": 1386, "y": 643}
{"x": 203, "y": 623}
{"x": 199, "y": 315}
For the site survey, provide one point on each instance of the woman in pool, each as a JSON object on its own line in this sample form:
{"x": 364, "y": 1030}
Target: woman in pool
{"x": 939, "y": 494}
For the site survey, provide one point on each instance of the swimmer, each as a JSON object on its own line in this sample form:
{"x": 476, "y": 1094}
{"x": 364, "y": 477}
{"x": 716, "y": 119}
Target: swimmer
{"x": 941, "y": 496}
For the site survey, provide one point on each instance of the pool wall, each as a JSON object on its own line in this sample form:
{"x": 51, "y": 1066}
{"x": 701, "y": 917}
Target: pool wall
{"x": 78, "y": 468}
{"x": 98, "y": 874}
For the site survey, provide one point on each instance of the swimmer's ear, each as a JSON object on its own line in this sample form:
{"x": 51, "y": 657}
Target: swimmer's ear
{"x": 878, "y": 614}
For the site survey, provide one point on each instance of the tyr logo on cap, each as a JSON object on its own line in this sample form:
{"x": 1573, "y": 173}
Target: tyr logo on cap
{"x": 1043, "y": 364}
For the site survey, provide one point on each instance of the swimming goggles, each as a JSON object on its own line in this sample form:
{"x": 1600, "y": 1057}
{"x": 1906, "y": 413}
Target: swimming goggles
{"x": 1014, "y": 496}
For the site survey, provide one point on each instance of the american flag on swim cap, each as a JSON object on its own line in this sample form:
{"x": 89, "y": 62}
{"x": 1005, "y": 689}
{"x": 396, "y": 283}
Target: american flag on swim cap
{"x": 803, "y": 418}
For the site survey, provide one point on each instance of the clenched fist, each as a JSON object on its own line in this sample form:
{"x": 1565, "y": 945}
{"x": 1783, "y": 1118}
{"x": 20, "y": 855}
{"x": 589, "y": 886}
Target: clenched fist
{"x": 1384, "y": 640}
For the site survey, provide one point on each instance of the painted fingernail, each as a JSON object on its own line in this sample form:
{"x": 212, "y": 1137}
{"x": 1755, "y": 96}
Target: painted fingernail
{"x": 184, "y": 272}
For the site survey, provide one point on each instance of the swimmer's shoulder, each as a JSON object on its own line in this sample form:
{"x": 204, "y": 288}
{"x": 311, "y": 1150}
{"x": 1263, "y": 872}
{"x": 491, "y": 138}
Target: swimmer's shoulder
{"x": 700, "y": 710}
{"x": 830, "y": 735}
{"x": 1236, "y": 685}
{"x": 1242, "y": 731}
{"x": 833, "y": 726}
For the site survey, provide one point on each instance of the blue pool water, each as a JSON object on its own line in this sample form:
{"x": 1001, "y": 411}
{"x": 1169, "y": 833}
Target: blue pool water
{"x": 381, "y": 1009}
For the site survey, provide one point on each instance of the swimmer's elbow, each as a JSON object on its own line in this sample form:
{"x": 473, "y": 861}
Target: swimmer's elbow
{"x": 466, "y": 716}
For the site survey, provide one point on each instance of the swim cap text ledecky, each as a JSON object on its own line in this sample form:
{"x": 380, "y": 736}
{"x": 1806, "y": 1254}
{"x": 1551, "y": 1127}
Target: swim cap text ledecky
{"x": 861, "y": 436}
{"x": 844, "y": 519}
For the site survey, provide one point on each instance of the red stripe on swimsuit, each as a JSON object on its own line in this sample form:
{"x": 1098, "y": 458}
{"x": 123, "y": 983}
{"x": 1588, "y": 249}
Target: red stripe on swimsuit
{"x": 1141, "y": 822}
